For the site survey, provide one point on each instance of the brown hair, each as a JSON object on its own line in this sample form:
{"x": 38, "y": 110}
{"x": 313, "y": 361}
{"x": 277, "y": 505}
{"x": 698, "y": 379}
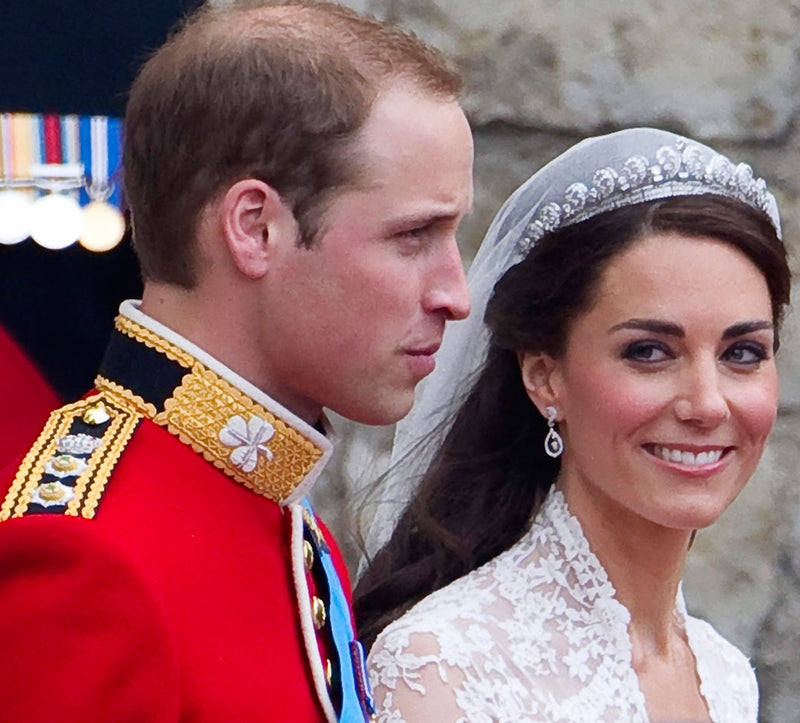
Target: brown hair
{"x": 491, "y": 474}
{"x": 275, "y": 92}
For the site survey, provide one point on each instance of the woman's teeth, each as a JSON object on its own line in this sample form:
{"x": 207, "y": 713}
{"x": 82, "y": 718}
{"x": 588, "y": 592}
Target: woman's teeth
{"x": 689, "y": 459}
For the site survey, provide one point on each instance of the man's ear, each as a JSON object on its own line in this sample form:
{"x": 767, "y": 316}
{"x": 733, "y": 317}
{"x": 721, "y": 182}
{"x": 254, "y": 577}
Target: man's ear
{"x": 253, "y": 217}
{"x": 540, "y": 377}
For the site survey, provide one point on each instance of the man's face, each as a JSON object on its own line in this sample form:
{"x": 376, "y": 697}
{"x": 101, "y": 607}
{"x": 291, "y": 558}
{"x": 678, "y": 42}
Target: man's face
{"x": 355, "y": 320}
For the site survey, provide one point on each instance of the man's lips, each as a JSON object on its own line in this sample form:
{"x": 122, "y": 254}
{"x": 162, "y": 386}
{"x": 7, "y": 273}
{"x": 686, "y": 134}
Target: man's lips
{"x": 428, "y": 350}
{"x": 421, "y": 359}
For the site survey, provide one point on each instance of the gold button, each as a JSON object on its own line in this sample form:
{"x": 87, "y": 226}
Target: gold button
{"x": 308, "y": 555}
{"x": 319, "y": 612}
{"x": 329, "y": 672}
{"x": 312, "y": 525}
{"x": 96, "y": 414}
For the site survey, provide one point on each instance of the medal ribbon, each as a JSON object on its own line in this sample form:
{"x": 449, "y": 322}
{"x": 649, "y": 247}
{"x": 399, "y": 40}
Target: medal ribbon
{"x": 30, "y": 139}
{"x": 6, "y": 146}
{"x": 99, "y": 189}
{"x": 70, "y": 139}
{"x": 52, "y": 139}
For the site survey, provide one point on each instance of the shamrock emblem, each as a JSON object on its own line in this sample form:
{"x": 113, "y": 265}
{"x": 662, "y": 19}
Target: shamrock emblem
{"x": 248, "y": 439}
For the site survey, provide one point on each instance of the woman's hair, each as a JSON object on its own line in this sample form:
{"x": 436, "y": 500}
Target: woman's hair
{"x": 487, "y": 481}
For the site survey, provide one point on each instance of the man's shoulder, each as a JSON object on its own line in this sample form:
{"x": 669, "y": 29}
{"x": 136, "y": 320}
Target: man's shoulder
{"x": 66, "y": 470}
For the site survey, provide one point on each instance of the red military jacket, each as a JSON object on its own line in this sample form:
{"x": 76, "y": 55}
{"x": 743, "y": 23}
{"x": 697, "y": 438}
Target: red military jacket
{"x": 25, "y": 399}
{"x": 157, "y": 560}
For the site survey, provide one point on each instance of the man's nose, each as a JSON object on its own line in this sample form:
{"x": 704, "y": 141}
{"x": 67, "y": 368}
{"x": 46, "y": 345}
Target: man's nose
{"x": 447, "y": 290}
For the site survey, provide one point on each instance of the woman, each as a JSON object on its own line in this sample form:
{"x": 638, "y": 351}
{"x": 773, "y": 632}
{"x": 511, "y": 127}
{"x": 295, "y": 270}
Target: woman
{"x": 637, "y": 286}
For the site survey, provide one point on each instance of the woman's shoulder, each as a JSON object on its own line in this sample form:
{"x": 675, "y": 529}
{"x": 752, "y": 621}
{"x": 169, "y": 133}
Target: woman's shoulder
{"x": 440, "y": 616}
{"x": 727, "y": 680}
{"x": 517, "y": 583}
{"x": 708, "y": 642}
{"x": 419, "y": 660}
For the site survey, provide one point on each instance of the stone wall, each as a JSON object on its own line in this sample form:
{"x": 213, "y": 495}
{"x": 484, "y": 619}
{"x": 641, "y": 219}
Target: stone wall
{"x": 542, "y": 75}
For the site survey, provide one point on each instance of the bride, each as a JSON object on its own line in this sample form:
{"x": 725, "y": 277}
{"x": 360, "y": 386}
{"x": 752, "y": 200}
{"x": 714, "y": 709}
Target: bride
{"x": 614, "y": 398}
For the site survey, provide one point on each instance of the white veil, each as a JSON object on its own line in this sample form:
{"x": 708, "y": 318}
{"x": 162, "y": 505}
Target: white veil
{"x": 596, "y": 175}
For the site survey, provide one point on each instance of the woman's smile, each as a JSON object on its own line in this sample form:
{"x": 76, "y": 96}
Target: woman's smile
{"x": 670, "y": 375}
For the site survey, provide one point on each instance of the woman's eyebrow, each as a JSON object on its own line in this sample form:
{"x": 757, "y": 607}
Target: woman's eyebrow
{"x": 655, "y": 325}
{"x": 747, "y": 327}
{"x": 671, "y": 329}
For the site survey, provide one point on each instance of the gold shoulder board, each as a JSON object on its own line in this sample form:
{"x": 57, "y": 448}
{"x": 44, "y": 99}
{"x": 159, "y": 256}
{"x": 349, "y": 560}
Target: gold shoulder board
{"x": 66, "y": 470}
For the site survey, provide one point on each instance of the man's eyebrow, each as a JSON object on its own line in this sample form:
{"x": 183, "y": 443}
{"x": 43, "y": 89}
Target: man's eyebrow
{"x": 655, "y": 325}
{"x": 428, "y": 216}
{"x": 747, "y": 327}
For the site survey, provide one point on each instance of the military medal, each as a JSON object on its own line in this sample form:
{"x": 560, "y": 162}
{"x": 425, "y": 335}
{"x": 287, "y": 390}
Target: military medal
{"x": 15, "y": 204}
{"x": 104, "y": 224}
{"x": 15, "y": 216}
{"x": 48, "y": 154}
{"x": 57, "y": 218}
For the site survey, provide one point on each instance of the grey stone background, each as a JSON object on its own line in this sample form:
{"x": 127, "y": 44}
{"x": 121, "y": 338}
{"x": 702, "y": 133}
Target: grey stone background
{"x": 541, "y": 75}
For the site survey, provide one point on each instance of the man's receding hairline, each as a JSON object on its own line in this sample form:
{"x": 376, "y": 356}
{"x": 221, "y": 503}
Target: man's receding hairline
{"x": 309, "y": 24}
{"x": 259, "y": 21}
{"x": 232, "y": 23}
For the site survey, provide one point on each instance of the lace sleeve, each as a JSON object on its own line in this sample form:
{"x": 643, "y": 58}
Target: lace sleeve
{"x": 412, "y": 681}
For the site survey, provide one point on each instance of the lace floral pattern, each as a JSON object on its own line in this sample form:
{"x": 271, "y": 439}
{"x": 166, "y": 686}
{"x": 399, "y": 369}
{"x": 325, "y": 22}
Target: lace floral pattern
{"x": 537, "y": 635}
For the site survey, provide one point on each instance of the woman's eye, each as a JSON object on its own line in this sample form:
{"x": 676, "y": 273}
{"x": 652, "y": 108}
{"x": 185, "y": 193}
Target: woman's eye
{"x": 745, "y": 353}
{"x": 647, "y": 351}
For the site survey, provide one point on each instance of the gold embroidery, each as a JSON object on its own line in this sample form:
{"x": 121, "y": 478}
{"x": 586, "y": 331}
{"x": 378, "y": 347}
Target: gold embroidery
{"x": 57, "y": 425}
{"x": 91, "y": 482}
{"x": 154, "y": 341}
{"x": 123, "y": 432}
{"x": 123, "y": 394}
{"x": 202, "y": 406}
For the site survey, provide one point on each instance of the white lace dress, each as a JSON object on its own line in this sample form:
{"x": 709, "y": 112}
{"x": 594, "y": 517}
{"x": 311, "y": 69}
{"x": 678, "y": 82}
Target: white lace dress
{"x": 537, "y": 634}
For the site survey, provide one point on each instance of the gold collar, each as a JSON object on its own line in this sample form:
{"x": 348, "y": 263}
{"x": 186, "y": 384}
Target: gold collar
{"x": 237, "y": 434}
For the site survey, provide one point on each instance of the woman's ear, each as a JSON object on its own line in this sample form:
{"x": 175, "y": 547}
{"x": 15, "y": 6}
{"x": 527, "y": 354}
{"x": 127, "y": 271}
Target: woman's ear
{"x": 540, "y": 374}
{"x": 254, "y": 218}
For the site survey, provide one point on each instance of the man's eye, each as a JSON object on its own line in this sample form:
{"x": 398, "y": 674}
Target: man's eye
{"x": 417, "y": 232}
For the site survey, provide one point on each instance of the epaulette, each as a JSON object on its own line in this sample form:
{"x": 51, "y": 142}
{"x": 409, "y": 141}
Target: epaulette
{"x": 67, "y": 468}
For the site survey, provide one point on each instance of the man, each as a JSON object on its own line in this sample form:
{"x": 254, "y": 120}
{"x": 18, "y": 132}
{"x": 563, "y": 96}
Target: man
{"x": 296, "y": 175}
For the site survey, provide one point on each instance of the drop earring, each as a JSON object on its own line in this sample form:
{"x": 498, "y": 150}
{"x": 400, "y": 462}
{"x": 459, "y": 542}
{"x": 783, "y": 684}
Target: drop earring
{"x": 553, "y": 444}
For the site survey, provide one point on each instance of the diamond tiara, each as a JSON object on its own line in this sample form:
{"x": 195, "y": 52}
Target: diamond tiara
{"x": 676, "y": 170}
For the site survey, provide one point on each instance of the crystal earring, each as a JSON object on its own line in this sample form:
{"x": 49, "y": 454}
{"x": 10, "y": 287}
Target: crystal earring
{"x": 553, "y": 444}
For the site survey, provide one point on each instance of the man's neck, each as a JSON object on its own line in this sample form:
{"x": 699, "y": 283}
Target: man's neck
{"x": 225, "y": 333}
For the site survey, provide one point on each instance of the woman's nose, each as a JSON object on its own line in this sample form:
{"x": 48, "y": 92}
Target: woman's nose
{"x": 701, "y": 399}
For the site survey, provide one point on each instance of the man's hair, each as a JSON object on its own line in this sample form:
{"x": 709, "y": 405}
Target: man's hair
{"x": 276, "y": 92}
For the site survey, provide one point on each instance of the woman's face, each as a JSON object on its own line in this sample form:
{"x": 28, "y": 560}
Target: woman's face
{"x": 668, "y": 389}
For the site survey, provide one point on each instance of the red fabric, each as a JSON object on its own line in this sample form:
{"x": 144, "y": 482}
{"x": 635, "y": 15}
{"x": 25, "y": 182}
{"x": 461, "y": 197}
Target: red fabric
{"x": 25, "y": 400}
{"x": 176, "y": 602}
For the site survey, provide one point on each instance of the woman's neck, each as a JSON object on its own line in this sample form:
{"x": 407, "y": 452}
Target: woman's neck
{"x": 644, "y": 562}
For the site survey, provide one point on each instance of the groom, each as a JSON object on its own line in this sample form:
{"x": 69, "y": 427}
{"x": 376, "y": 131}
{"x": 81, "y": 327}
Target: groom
{"x": 296, "y": 174}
